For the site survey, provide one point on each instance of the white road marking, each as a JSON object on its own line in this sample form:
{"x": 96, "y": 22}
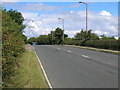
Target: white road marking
{"x": 69, "y": 51}
{"x": 85, "y": 56}
{"x": 58, "y": 48}
{"x": 109, "y": 62}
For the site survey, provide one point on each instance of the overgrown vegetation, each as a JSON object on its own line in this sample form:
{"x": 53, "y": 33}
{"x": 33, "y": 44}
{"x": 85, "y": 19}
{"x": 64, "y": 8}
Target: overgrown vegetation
{"x": 12, "y": 42}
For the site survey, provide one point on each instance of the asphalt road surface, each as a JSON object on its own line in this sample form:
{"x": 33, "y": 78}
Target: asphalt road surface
{"x": 69, "y": 67}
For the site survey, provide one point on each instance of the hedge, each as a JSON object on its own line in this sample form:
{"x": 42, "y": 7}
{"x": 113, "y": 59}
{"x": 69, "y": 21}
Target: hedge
{"x": 12, "y": 46}
{"x": 103, "y": 44}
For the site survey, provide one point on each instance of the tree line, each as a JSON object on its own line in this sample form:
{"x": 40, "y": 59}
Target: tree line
{"x": 81, "y": 38}
{"x": 54, "y": 37}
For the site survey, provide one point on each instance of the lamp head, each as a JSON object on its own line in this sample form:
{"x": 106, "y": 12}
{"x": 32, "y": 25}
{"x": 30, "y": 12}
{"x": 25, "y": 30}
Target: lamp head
{"x": 83, "y": 3}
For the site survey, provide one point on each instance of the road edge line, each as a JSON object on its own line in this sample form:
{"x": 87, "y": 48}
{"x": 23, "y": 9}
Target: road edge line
{"x": 45, "y": 75}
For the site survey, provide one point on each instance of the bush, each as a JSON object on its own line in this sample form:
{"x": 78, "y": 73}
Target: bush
{"x": 103, "y": 44}
{"x": 12, "y": 45}
{"x": 72, "y": 42}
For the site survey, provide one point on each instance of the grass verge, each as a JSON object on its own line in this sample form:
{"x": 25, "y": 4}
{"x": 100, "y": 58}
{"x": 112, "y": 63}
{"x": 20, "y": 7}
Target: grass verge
{"x": 96, "y": 49}
{"x": 29, "y": 73}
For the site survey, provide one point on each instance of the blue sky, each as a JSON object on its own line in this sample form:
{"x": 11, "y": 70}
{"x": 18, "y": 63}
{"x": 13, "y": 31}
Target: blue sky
{"x": 112, "y": 7}
{"x": 60, "y": 0}
{"x": 45, "y": 14}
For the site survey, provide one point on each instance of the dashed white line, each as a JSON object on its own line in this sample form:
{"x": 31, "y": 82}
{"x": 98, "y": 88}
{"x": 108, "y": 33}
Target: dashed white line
{"x": 85, "y": 56}
{"x": 58, "y": 48}
{"x": 69, "y": 51}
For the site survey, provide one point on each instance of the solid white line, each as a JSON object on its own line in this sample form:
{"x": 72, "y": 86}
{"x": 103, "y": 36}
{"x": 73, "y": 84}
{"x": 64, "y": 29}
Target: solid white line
{"x": 86, "y": 56}
{"x": 50, "y": 86}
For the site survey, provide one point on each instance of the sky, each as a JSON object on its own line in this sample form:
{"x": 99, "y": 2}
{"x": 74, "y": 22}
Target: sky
{"x": 42, "y": 17}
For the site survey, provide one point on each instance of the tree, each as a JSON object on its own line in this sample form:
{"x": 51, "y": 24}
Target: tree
{"x": 51, "y": 37}
{"x": 103, "y": 37}
{"x": 31, "y": 40}
{"x": 17, "y": 17}
{"x": 24, "y": 38}
{"x": 80, "y": 35}
{"x": 43, "y": 40}
{"x": 58, "y": 34}
{"x": 86, "y": 36}
{"x": 94, "y": 36}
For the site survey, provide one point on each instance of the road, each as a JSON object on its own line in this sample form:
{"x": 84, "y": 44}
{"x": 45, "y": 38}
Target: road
{"x": 69, "y": 67}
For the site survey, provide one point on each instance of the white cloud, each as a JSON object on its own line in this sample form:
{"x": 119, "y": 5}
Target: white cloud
{"x": 30, "y": 15}
{"x": 74, "y": 22}
{"x": 105, "y": 13}
{"x": 31, "y": 6}
{"x": 9, "y": 0}
{"x": 74, "y": 5}
{"x": 116, "y": 38}
{"x": 71, "y": 11}
{"x": 40, "y": 7}
{"x": 72, "y": 33}
{"x": 98, "y": 32}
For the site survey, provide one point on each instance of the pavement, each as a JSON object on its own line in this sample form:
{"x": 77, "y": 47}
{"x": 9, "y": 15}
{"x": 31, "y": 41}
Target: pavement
{"x": 70, "y": 67}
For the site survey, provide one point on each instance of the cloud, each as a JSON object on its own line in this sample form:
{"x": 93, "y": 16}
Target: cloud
{"x": 105, "y": 13}
{"x": 10, "y": 1}
{"x": 74, "y": 22}
{"x": 30, "y": 15}
{"x": 31, "y": 6}
{"x": 40, "y": 7}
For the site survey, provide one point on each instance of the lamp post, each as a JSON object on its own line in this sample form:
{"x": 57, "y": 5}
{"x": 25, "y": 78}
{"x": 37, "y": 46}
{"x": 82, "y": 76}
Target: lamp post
{"x": 52, "y": 34}
{"x": 86, "y": 14}
{"x": 63, "y": 27}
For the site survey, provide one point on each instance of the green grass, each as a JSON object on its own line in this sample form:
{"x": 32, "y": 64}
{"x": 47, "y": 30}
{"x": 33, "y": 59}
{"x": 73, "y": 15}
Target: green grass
{"x": 29, "y": 73}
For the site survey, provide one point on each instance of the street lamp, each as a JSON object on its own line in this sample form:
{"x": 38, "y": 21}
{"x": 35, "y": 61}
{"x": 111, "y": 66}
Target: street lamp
{"x": 52, "y": 34}
{"x": 86, "y": 14}
{"x": 63, "y": 27}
